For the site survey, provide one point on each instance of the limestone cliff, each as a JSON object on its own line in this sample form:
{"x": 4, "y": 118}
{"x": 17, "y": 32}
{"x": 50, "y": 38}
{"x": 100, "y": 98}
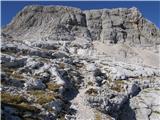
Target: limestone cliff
{"x": 120, "y": 25}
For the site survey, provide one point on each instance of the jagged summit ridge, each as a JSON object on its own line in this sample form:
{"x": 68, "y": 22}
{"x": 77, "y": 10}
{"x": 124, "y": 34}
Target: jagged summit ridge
{"x": 119, "y": 25}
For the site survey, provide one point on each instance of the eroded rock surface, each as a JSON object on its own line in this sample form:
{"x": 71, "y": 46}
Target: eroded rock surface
{"x": 64, "y": 63}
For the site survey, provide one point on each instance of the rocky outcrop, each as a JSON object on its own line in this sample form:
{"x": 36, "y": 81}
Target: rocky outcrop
{"x": 121, "y": 25}
{"x": 144, "y": 105}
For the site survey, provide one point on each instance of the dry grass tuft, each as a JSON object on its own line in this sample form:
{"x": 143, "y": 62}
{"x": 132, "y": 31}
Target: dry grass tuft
{"x": 118, "y": 86}
{"x": 43, "y": 97}
{"x": 90, "y": 83}
{"x": 92, "y": 92}
{"x": 61, "y": 65}
{"x": 12, "y": 99}
{"x": 12, "y": 73}
{"x": 26, "y": 107}
{"x": 98, "y": 116}
{"x": 53, "y": 86}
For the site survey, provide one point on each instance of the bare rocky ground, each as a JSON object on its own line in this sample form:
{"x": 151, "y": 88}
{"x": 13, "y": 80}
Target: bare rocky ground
{"x": 61, "y": 63}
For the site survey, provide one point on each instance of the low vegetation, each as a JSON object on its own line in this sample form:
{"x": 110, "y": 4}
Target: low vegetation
{"x": 61, "y": 65}
{"x": 90, "y": 83}
{"x": 18, "y": 102}
{"x": 43, "y": 97}
{"x": 11, "y": 99}
{"x": 53, "y": 86}
{"x": 118, "y": 86}
{"x": 157, "y": 112}
{"x": 26, "y": 107}
{"x": 92, "y": 92}
{"x": 41, "y": 59}
{"x": 12, "y": 73}
{"x": 79, "y": 65}
{"x": 98, "y": 116}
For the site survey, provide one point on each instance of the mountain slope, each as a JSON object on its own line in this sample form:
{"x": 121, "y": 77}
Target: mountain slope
{"x": 64, "y": 63}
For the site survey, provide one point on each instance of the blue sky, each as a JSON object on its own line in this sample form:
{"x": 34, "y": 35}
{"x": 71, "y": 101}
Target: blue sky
{"x": 149, "y": 9}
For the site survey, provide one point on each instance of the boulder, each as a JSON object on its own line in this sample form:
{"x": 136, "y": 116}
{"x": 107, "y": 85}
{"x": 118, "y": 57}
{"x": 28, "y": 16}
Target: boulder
{"x": 146, "y": 105}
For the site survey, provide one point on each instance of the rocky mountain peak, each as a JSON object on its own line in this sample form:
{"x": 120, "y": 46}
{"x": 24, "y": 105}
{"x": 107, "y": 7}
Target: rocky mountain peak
{"x": 46, "y": 22}
{"x": 119, "y": 25}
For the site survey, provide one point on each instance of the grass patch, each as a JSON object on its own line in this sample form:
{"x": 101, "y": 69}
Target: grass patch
{"x": 25, "y": 107}
{"x": 119, "y": 81}
{"x": 17, "y": 76}
{"x": 18, "y": 102}
{"x": 61, "y": 65}
{"x": 8, "y": 52}
{"x": 12, "y": 99}
{"x": 92, "y": 92}
{"x": 157, "y": 112}
{"x": 118, "y": 86}
{"x": 7, "y": 70}
{"x": 12, "y": 73}
{"x": 41, "y": 59}
{"x": 44, "y": 60}
{"x": 79, "y": 65}
{"x": 146, "y": 90}
{"x": 43, "y": 97}
{"x": 98, "y": 116}
{"x": 90, "y": 83}
{"x": 157, "y": 89}
{"x": 53, "y": 86}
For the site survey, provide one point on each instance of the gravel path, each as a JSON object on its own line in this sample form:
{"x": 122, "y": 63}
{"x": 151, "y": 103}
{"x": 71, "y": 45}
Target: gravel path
{"x": 84, "y": 112}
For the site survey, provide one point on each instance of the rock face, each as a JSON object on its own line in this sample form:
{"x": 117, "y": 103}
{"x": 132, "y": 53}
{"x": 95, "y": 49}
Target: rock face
{"x": 149, "y": 107}
{"x": 65, "y": 23}
{"x": 120, "y": 26}
{"x": 64, "y": 63}
{"x": 145, "y": 105}
{"x": 56, "y": 23}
